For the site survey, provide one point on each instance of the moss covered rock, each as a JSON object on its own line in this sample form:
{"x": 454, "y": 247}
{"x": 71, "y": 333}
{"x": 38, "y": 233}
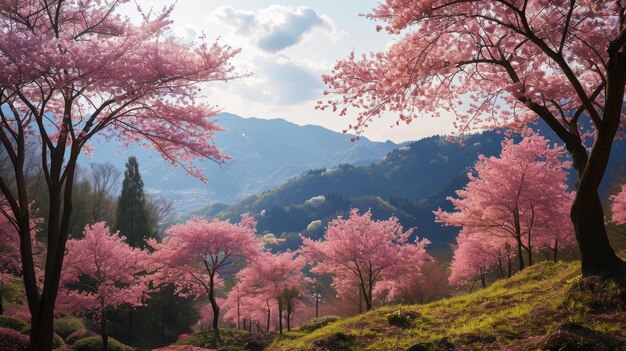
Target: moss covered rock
{"x": 67, "y": 325}
{"x": 94, "y": 343}
{"x": 13, "y": 323}
{"x": 78, "y": 335}
{"x": 317, "y": 323}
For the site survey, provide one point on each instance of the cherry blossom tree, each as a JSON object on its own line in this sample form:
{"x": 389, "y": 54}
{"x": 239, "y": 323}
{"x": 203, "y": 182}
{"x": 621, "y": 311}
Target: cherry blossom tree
{"x": 503, "y": 63}
{"x": 415, "y": 286}
{"x": 473, "y": 258}
{"x": 196, "y": 253}
{"x": 73, "y": 71}
{"x": 619, "y": 206}
{"x": 519, "y": 199}
{"x": 271, "y": 280}
{"x": 246, "y": 305}
{"x": 359, "y": 251}
{"x": 101, "y": 273}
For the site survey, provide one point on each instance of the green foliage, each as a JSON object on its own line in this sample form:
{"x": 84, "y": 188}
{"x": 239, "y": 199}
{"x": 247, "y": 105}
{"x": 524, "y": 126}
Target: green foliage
{"x": 316, "y": 323}
{"x": 400, "y": 319}
{"x": 78, "y": 335}
{"x": 11, "y": 340}
{"x": 13, "y": 291}
{"x": 132, "y": 217}
{"x": 13, "y": 323}
{"x": 516, "y": 313}
{"x": 159, "y": 323}
{"x": 231, "y": 340}
{"x": 57, "y": 341}
{"x": 67, "y": 325}
{"x": 94, "y": 343}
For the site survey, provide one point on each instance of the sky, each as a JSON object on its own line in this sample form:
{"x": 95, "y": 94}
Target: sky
{"x": 288, "y": 46}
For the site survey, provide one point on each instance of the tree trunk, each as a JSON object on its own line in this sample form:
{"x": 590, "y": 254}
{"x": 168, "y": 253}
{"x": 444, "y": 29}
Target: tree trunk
{"x": 508, "y": 257}
{"x": 500, "y": 268}
{"x": 510, "y": 267}
{"x": 288, "y": 316}
{"x": 268, "y": 317}
{"x": 367, "y": 296}
{"x": 238, "y": 315}
{"x": 1, "y": 307}
{"x": 280, "y": 317}
{"x": 59, "y": 213}
{"x": 214, "y": 307}
{"x": 518, "y": 239}
{"x": 473, "y": 283}
{"x": 597, "y": 255}
{"x": 555, "y": 250}
{"x": 103, "y": 330}
{"x": 529, "y": 247}
{"x": 482, "y": 278}
{"x": 317, "y": 303}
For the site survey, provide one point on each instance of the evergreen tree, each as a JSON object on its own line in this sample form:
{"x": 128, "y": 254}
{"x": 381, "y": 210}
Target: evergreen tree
{"x": 132, "y": 218}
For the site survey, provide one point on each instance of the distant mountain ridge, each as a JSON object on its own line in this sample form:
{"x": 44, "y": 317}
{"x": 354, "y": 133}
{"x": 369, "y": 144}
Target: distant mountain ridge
{"x": 409, "y": 182}
{"x": 266, "y": 152}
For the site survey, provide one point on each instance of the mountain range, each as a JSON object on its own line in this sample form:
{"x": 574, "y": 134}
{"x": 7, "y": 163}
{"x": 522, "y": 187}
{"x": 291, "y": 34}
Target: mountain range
{"x": 410, "y": 183}
{"x": 265, "y": 153}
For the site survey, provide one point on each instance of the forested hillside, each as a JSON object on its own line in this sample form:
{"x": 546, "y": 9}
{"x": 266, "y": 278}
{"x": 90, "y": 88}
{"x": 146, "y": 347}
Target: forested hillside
{"x": 410, "y": 183}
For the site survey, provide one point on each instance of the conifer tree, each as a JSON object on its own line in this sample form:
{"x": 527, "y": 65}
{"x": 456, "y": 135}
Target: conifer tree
{"x": 132, "y": 218}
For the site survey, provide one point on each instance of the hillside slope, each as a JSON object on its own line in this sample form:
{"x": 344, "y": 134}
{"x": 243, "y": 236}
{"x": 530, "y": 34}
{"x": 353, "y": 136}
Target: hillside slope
{"x": 545, "y": 307}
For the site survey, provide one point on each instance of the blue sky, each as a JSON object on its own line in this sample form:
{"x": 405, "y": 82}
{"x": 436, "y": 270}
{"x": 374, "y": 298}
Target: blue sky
{"x": 288, "y": 45}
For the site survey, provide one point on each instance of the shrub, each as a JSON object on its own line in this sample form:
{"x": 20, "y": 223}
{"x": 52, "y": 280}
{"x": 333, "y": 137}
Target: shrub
{"x": 12, "y": 340}
{"x": 181, "y": 348}
{"x": 94, "y": 343}
{"x": 13, "y": 323}
{"x": 400, "y": 319}
{"x": 67, "y": 325}
{"x": 57, "y": 341}
{"x": 78, "y": 335}
{"x": 317, "y": 323}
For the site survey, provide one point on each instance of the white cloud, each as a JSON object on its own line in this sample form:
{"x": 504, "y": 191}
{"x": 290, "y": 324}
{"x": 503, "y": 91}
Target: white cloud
{"x": 187, "y": 33}
{"x": 276, "y": 27}
{"x": 280, "y": 80}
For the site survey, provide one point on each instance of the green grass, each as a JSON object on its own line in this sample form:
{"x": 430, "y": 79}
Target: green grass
{"x": 507, "y": 314}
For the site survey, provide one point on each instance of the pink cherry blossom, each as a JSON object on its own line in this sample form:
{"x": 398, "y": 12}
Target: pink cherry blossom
{"x": 361, "y": 252}
{"x": 102, "y": 272}
{"x": 619, "y": 206}
{"x": 196, "y": 253}
{"x": 271, "y": 288}
{"x": 517, "y": 200}
{"x": 502, "y": 64}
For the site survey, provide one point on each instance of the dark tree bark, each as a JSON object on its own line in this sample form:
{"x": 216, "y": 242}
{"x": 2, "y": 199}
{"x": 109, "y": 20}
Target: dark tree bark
{"x": 268, "y": 317}
{"x": 518, "y": 239}
{"x": 280, "y": 317}
{"x": 317, "y": 304}
{"x": 214, "y": 306}
{"x": 482, "y": 278}
{"x": 103, "y": 330}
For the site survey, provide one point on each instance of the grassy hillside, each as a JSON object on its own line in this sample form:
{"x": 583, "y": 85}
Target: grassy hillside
{"x": 546, "y": 306}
